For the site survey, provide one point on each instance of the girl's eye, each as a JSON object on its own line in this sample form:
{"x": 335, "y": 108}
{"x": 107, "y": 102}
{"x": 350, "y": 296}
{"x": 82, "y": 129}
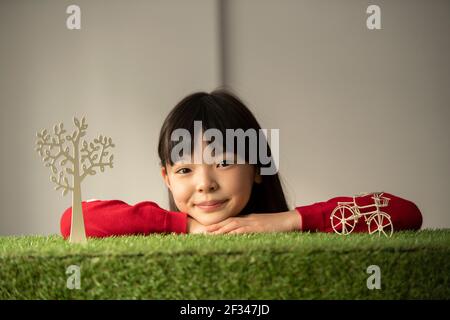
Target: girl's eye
{"x": 183, "y": 171}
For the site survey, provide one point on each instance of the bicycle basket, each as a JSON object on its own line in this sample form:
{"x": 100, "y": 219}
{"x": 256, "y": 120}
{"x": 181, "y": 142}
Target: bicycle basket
{"x": 381, "y": 201}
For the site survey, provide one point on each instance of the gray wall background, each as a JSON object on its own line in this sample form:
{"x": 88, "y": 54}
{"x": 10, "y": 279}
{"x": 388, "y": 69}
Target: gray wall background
{"x": 358, "y": 110}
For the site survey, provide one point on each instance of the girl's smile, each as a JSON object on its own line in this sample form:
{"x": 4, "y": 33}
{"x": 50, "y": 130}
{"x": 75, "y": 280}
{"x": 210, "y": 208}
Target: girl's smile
{"x": 212, "y": 205}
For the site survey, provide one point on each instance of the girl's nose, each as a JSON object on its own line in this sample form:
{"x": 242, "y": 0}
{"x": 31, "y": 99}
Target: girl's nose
{"x": 207, "y": 183}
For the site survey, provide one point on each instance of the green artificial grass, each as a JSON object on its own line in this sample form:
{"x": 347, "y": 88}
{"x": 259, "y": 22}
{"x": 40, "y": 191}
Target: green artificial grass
{"x": 413, "y": 265}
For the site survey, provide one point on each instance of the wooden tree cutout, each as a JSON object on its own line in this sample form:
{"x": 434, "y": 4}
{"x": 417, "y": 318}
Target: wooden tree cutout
{"x": 89, "y": 157}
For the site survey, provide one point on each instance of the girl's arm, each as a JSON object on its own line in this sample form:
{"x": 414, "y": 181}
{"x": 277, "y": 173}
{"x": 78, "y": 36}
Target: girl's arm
{"x": 405, "y": 215}
{"x": 103, "y": 218}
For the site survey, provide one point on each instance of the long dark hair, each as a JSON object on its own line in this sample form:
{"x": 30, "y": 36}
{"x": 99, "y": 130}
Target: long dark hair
{"x": 222, "y": 110}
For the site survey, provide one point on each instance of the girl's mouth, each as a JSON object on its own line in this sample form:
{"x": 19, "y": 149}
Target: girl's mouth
{"x": 210, "y": 206}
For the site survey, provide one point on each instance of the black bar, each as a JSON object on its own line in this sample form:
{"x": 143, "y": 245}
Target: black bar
{"x": 221, "y": 309}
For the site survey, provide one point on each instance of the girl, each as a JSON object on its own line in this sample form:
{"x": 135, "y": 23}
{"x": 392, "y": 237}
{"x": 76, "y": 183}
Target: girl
{"x": 225, "y": 196}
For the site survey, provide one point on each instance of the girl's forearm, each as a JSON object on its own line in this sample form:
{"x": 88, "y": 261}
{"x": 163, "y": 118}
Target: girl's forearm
{"x": 104, "y": 218}
{"x": 403, "y": 214}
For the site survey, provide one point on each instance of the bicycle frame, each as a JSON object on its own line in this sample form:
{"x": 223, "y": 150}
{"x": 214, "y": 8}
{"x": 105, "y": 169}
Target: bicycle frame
{"x": 355, "y": 208}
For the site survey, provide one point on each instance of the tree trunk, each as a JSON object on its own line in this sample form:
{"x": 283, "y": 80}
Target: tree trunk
{"x": 77, "y": 230}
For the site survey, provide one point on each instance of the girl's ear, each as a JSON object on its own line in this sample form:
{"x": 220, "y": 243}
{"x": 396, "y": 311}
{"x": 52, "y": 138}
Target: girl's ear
{"x": 258, "y": 178}
{"x": 165, "y": 176}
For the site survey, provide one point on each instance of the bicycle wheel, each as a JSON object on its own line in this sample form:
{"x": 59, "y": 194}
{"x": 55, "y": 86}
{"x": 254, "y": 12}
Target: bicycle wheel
{"x": 343, "y": 220}
{"x": 381, "y": 223}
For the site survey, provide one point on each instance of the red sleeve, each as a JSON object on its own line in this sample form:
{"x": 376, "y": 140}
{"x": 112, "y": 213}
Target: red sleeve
{"x": 103, "y": 218}
{"x": 404, "y": 214}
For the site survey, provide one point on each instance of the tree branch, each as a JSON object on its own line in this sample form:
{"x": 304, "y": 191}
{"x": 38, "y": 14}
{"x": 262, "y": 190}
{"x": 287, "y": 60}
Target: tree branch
{"x": 90, "y": 149}
{"x": 62, "y": 183}
{"x": 45, "y": 145}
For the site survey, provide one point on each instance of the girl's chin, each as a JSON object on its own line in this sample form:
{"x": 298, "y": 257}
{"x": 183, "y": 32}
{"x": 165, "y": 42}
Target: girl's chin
{"x": 212, "y": 218}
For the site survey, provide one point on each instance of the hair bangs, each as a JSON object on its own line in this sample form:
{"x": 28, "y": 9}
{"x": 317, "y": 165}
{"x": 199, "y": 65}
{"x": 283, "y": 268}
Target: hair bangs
{"x": 213, "y": 113}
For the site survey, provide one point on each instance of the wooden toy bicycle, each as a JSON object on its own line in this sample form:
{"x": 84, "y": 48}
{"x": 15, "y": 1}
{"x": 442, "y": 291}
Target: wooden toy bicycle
{"x": 345, "y": 216}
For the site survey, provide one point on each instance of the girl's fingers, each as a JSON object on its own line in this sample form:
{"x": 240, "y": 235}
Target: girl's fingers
{"x": 227, "y": 228}
{"x": 219, "y": 225}
{"x": 240, "y": 230}
{"x": 213, "y": 227}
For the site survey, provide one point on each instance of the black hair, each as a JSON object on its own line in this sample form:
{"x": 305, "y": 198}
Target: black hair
{"x": 222, "y": 110}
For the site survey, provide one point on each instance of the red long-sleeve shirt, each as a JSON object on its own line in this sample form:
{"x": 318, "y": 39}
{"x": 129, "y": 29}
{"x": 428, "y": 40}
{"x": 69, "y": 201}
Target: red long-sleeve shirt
{"x": 103, "y": 218}
{"x": 404, "y": 214}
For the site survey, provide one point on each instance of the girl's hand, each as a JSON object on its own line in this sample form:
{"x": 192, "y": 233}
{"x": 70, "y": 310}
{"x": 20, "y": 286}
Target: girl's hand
{"x": 258, "y": 222}
{"x": 193, "y": 226}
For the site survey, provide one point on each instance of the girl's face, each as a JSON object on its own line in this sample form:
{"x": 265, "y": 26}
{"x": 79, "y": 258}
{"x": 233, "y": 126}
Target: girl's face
{"x": 210, "y": 193}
